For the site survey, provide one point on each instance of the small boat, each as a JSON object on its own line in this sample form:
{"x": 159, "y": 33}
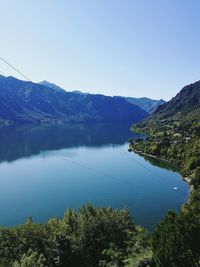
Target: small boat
{"x": 175, "y": 188}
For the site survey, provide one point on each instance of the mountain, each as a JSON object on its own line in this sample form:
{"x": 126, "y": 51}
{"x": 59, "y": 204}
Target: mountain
{"x": 56, "y": 87}
{"x": 51, "y": 85}
{"x": 22, "y": 101}
{"x": 145, "y": 103}
{"x": 185, "y": 104}
{"x": 174, "y": 131}
{"x": 148, "y": 104}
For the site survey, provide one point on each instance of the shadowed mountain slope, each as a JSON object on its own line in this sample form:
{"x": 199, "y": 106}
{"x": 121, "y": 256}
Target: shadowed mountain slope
{"x": 22, "y": 101}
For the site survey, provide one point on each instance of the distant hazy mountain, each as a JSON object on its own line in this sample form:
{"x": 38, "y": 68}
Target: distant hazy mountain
{"x": 148, "y": 104}
{"x": 22, "y": 101}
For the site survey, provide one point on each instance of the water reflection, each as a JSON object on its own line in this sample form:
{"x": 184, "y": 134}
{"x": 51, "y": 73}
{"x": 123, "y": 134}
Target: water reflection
{"x": 75, "y": 164}
{"x": 161, "y": 163}
{"x": 27, "y": 140}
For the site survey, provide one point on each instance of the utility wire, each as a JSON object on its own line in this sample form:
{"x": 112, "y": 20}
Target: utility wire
{"x": 126, "y": 154}
{"x": 18, "y": 71}
{"x": 75, "y": 163}
{"x": 90, "y": 169}
{"x": 123, "y": 153}
{"x": 23, "y": 75}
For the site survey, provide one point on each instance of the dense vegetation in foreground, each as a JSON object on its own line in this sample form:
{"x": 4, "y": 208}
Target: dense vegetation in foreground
{"x": 104, "y": 237}
{"x": 91, "y": 237}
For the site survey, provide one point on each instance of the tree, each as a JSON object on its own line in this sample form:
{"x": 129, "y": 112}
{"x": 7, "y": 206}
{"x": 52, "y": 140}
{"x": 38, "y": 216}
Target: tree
{"x": 195, "y": 180}
{"x": 31, "y": 259}
{"x": 176, "y": 241}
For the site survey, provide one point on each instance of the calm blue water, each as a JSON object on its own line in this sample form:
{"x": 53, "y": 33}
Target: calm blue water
{"x": 46, "y": 169}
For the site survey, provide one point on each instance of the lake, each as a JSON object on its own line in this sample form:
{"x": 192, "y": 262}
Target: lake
{"x": 46, "y": 169}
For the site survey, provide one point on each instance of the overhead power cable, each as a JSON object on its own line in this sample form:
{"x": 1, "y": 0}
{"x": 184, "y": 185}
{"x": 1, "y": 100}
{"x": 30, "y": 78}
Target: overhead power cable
{"x": 75, "y": 163}
{"x": 127, "y": 155}
{"x": 83, "y": 166}
{"x": 23, "y": 75}
{"x": 14, "y": 68}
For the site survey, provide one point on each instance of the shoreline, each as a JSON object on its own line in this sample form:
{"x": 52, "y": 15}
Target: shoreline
{"x": 187, "y": 178}
{"x": 150, "y": 155}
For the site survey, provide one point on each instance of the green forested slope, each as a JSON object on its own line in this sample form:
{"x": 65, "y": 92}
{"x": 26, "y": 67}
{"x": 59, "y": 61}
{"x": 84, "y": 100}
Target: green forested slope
{"x": 186, "y": 102}
{"x": 173, "y": 133}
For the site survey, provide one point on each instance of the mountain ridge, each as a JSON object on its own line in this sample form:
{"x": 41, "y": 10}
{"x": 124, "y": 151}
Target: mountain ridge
{"x": 25, "y": 101}
{"x": 145, "y": 103}
{"x": 185, "y": 103}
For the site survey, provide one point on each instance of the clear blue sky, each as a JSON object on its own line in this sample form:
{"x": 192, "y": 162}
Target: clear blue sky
{"x": 127, "y": 47}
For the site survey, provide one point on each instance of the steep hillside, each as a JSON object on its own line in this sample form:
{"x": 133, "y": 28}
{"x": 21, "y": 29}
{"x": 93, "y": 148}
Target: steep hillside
{"x": 185, "y": 103}
{"x": 22, "y": 101}
{"x": 174, "y": 131}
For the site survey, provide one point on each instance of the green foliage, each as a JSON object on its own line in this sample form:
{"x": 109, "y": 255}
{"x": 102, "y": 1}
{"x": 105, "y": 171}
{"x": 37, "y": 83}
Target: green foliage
{"x": 100, "y": 229}
{"x": 195, "y": 178}
{"x": 193, "y": 204}
{"x": 173, "y": 140}
{"x": 192, "y": 163}
{"x": 142, "y": 259}
{"x": 32, "y": 259}
{"x": 176, "y": 241}
{"x": 139, "y": 248}
{"x": 81, "y": 239}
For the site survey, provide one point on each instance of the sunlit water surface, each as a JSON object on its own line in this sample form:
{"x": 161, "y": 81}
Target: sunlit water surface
{"x": 46, "y": 169}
